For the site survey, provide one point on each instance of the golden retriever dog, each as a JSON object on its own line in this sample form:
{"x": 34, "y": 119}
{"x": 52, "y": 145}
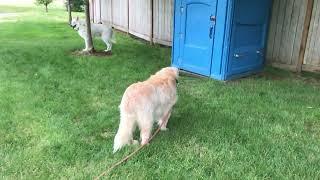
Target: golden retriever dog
{"x": 145, "y": 103}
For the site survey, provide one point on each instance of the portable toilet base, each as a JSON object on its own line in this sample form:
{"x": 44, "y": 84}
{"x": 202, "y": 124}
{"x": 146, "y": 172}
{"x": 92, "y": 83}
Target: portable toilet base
{"x": 222, "y": 39}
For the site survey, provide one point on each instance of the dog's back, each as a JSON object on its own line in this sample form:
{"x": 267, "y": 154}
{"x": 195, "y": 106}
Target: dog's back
{"x": 143, "y": 103}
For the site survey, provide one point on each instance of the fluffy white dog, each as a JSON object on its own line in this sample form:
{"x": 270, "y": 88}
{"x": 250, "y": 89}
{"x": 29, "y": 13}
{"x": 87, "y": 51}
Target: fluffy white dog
{"x": 97, "y": 30}
{"x": 144, "y": 103}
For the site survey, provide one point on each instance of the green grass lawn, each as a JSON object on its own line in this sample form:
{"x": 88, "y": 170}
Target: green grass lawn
{"x": 59, "y": 113}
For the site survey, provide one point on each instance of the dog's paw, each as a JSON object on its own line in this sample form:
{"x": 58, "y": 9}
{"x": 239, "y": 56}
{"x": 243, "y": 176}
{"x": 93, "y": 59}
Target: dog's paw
{"x": 164, "y": 129}
{"x": 145, "y": 144}
{"x": 135, "y": 142}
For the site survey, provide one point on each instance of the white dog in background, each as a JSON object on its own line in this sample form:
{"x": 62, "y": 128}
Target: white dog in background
{"x": 144, "y": 103}
{"x": 97, "y": 30}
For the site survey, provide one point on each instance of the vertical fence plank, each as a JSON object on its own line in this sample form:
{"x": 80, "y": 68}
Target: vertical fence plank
{"x": 106, "y": 11}
{"x": 140, "y": 14}
{"x": 305, "y": 33}
{"x": 298, "y": 34}
{"x": 92, "y": 13}
{"x": 294, "y": 26}
{"x": 163, "y": 21}
{"x": 151, "y": 21}
{"x": 312, "y": 55}
{"x": 272, "y": 30}
{"x": 284, "y": 54}
{"x": 119, "y": 14}
{"x": 279, "y": 30}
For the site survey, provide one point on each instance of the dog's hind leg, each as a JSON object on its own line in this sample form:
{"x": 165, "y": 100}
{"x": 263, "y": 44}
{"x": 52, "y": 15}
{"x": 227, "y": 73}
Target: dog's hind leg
{"x": 84, "y": 37}
{"x": 106, "y": 39}
{"x": 109, "y": 46}
{"x": 86, "y": 44}
{"x": 145, "y": 122}
{"x": 164, "y": 121}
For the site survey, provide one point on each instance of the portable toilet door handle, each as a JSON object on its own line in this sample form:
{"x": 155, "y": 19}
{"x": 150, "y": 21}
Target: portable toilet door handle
{"x": 213, "y": 20}
{"x": 260, "y": 52}
{"x": 238, "y": 55}
{"x": 210, "y": 32}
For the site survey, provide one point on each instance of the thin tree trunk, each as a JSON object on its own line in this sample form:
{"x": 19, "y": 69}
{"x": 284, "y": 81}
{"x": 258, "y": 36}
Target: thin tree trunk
{"x": 46, "y": 7}
{"x": 90, "y": 47}
{"x": 69, "y": 11}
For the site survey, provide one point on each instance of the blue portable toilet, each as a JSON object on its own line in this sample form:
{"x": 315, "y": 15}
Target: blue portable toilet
{"x": 222, "y": 39}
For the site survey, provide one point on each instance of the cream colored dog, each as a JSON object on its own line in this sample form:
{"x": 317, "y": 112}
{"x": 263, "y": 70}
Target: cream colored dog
{"x": 104, "y": 31}
{"x": 144, "y": 103}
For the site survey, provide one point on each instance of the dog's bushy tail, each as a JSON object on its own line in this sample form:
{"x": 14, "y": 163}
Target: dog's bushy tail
{"x": 125, "y": 131}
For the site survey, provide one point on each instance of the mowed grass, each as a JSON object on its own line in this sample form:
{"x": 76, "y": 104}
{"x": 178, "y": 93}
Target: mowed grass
{"x": 59, "y": 113}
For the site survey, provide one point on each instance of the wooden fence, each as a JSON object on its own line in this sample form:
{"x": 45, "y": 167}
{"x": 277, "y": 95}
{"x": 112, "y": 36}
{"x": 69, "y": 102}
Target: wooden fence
{"x": 289, "y": 24}
{"x": 312, "y": 55}
{"x": 294, "y": 39}
{"x": 151, "y": 20}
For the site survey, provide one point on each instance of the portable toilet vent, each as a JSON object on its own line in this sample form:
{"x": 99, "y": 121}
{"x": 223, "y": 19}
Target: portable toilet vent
{"x": 222, "y": 39}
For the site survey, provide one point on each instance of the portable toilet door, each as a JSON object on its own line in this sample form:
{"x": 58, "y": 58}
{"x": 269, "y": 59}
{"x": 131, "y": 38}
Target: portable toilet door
{"x": 248, "y": 38}
{"x": 194, "y": 35}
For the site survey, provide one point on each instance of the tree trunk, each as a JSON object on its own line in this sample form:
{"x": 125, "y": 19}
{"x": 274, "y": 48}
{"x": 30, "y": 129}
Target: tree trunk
{"x": 90, "y": 47}
{"x": 46, "y": 7}
{"x": 69, "y": 11}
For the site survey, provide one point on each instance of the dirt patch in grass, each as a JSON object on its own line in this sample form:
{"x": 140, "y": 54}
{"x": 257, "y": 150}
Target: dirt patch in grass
{"x": 96, "y": 53}
{"x": 280, "y": 75}
{"x": 269, "y": 76}
{"x": 313, "y": 127}
{"x": 311, "y": 78}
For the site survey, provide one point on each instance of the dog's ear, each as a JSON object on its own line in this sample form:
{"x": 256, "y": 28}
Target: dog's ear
{"x": 176, "y": 72}
{"x": 173, "y": 81}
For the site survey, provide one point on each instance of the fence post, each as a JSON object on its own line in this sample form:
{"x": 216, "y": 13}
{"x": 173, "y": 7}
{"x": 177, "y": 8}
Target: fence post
{"x": 305, "y": 34}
